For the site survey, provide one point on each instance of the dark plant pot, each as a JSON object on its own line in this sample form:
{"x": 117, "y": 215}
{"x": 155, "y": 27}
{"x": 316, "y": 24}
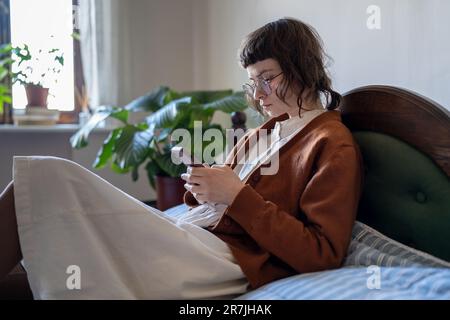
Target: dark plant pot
{"x": 36, "y": 95}
{"x": 169, "y": 192}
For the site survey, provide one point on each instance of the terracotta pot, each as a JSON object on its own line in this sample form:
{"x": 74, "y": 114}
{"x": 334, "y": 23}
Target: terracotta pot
{"x": 36, "y": 95}
{"x": 169, "y": 192}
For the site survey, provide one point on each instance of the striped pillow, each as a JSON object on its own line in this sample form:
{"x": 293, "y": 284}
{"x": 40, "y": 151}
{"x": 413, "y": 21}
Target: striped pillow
{"x": 351, "y": 283}
{"x": 370, "y": 247}
{"x": 406, "y": 273}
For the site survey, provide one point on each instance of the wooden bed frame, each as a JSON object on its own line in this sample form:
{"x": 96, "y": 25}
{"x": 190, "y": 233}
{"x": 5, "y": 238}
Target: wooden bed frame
{"x": 417, "y": 218}
{"x": 408, "y": 116}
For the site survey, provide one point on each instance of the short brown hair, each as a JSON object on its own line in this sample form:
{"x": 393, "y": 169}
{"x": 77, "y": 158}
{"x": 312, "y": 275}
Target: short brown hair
{"x": 298, "y": 49}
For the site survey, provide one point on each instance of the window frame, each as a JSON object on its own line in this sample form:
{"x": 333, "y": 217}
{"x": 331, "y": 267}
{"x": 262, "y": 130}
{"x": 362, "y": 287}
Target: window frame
{"x": 72, "y": 116}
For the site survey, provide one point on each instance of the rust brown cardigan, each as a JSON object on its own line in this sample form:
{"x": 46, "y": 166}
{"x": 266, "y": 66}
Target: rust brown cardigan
{"x": 299, "y": 220}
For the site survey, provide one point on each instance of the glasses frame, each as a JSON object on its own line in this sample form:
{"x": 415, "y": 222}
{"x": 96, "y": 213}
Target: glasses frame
{"x": 260, "y": 83}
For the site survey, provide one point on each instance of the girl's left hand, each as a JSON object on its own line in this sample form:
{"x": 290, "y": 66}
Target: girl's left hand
{"x": 218, "y": 184}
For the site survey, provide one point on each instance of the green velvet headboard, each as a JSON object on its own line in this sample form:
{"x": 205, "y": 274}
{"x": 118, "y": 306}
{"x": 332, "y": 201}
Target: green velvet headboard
{"x": 405, "y": 142}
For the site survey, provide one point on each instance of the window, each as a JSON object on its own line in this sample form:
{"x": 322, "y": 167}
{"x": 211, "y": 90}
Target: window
{"x": 46, "y": 24}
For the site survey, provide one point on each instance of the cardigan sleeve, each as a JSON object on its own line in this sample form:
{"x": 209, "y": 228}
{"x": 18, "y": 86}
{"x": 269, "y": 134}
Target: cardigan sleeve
{"x": 329, "y": 202}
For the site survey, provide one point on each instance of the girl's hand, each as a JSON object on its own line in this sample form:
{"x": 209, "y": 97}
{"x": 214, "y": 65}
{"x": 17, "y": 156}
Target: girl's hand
{"x": 218, "y": 184}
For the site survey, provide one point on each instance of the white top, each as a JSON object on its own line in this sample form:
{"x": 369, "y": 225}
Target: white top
{"x": 207, "y": 214}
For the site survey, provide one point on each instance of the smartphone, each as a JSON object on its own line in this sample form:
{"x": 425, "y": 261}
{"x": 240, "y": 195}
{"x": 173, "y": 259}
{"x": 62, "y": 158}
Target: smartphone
{"x": 185, "y": 157}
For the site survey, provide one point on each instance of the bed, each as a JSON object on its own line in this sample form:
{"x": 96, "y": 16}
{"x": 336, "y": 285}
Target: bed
{"x": 400, "y": 246}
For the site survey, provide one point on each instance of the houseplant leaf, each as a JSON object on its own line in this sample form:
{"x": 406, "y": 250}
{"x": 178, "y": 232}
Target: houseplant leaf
{"x": 131, "y": 147}
{"x": 203, "y": 97}
{"x": 107, "y": 150}
{"x": 228, "y": 104}
{"x": 169, "y": 115}
{"x": 165, "y": 163}
{"x": 152, "y": 101}
{"x": 80, "y": 138}
{"x": 153, "y": 170}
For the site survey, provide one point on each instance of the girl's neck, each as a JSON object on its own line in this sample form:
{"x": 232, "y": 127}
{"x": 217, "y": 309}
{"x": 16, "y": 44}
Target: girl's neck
{"x": 306, "y": 106}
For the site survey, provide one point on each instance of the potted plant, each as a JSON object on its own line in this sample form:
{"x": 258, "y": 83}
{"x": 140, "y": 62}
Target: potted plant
{"x": 36, "y": 71}
{"x": 149, "y": 143}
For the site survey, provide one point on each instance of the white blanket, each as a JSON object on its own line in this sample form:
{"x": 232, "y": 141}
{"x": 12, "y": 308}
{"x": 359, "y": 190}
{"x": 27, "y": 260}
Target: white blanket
{"x": 82, "y": 238}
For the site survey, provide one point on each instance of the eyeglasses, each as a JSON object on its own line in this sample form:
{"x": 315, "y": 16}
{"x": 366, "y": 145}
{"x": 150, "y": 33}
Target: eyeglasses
{"x": 260, "y": 84}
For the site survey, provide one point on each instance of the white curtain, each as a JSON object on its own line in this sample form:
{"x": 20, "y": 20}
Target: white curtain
{"x": 105, "y": 50}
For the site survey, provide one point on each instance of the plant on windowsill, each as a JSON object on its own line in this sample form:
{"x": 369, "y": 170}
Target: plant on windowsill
{"x": 35, "y": 71}
{"x": 149, "y": 142}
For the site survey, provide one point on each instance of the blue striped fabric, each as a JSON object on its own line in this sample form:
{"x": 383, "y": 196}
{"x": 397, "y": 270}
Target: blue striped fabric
{"x": 351, "y": 283}
{"x": 405, "y": 273}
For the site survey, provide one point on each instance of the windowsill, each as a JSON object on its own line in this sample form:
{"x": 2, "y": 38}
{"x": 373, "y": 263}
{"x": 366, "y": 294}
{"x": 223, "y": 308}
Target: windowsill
{"x": 62, "y": 128}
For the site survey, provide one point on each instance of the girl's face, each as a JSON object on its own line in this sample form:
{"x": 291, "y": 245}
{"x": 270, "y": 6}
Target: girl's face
{"x": 265, "y": 77}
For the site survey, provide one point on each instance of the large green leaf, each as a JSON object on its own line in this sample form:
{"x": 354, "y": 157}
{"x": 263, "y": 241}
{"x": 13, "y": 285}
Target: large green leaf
{"x": 169, "y": 115}
{"x": 166, "y": 164}
{"x": 172, "y": 95}
{"x": 202, "y": 97}
{"x": 195, "y": 113}
{"x": 115, "y": 168}
{"x": 152, "y": 101}
{"x": 131, "y": 147}
{"x": 228, "y": 104}
{"x": 152, "y": 171}
{"x": 80, "y": 138}
{"x": 135, "y": 173}
{"x": 107, "y": 150}
{"x": 120, "y": 114}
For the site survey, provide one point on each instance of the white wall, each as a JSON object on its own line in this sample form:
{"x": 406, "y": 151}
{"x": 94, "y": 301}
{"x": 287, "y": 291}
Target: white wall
{"x": 192, "y": 44}
{"x": 411, "y": 50}
{"x": 161, "y": 42}
{"x": 146, "y": 44}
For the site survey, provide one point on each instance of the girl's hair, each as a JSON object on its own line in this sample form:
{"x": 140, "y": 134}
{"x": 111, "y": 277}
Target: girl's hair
{"x": 298, "y": 49}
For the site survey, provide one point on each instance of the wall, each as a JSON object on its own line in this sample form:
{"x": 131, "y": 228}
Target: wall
{"x": 411, "y": 49}
{"x": 140, "y": 44}
{"x": 162, "y": 44}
